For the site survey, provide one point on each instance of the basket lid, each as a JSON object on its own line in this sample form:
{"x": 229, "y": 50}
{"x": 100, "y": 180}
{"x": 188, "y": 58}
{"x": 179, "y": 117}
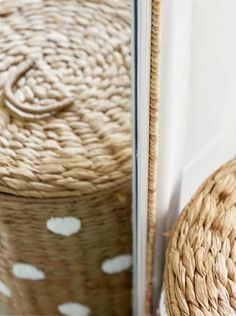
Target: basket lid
{"x": 200, "y": 273}
{"x": 65, "y": 122}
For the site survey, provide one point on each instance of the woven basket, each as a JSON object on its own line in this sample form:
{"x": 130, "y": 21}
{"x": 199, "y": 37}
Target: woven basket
{"x": 200, "y": 273}
{"x": 65, "y": 157}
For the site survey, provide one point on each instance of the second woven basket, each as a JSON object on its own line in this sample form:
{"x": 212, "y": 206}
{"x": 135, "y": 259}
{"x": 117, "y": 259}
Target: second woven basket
{"x": 200, "y": 273}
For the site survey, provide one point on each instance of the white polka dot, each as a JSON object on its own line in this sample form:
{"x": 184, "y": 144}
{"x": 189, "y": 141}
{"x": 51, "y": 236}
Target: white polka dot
{"x": 117, "y": 264}
{"x": 65, "y": 226}
{"x": 27, "y": 272}
{"x": 74, "y": 309}
{"x": 5, "y": 289}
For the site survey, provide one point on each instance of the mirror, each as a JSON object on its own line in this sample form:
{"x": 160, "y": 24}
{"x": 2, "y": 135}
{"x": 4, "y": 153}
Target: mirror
{"x": 65, "y": 157}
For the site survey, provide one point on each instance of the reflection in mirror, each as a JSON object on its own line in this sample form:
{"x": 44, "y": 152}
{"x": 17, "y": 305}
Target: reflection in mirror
{"x": 65, "y": 157}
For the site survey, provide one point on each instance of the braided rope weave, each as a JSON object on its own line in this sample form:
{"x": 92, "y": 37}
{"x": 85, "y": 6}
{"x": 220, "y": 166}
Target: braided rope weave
{"x": 65, "y": 96}
{"x": 26, "y": 111}
{"x": 200, "y": 273}
{"x": 153, "y": 151}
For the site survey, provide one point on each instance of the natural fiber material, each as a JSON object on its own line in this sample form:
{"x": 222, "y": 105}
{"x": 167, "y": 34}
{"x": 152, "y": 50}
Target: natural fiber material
{"x": 72, "y": 265}
{"x": 153, "y": 151}
{"x": 65, "y": 157}
{"x": 200, "y": 274}
{"x": 78, "y": 61}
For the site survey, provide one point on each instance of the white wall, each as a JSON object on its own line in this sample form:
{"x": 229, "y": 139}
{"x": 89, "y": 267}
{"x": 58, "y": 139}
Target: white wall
{"x": 197, "y": 103}
{"x": 175, "y": 48}
{"x": 211, "y": 132}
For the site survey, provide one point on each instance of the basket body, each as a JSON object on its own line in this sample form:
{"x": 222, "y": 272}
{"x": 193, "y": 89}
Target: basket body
{"x": 200, "y": 272}
{"x": 72, "y": 265}
{"x": 65, "y": 157}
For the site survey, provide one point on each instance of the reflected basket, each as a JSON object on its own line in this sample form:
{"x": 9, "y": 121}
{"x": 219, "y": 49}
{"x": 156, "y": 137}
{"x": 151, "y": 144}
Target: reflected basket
{"x": 65, "y": 157}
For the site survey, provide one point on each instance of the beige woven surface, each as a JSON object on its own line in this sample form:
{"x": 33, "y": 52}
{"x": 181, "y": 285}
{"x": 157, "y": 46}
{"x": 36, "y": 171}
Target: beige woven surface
{"x": 65, "y": 151}
{"x": 64, "y": 53}
{"x": 200, "y": 274}
{"x": 72, "y": 265}
{"x": 153, "y": 151}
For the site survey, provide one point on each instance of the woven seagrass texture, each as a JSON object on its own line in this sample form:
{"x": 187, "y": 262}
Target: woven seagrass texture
{"x": 200, "y": 273}
{"x": 153, "y": 150}
{"x": 65, "y": 96}
{"x": 65, "y": 154}
{"x": 72, "y": 265}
